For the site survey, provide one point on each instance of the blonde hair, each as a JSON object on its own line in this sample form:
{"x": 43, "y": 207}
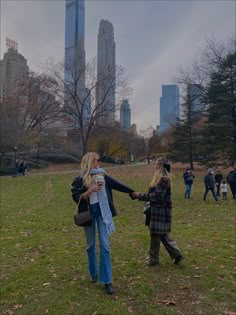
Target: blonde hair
{"x": 160, "y": 172}
{"x": 86, "y": 166}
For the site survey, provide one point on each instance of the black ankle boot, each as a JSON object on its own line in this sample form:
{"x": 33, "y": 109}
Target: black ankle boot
{"x": 94, "y": 279}
{"x": 178, "y": 260}
{"x": 109, "y": 288}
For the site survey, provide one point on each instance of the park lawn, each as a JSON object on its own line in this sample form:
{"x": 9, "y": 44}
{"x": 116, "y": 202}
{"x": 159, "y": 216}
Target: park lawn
{"x": 43, "y": 261}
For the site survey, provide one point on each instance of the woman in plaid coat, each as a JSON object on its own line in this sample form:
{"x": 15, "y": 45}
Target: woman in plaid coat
{"x": 159, "y": 196}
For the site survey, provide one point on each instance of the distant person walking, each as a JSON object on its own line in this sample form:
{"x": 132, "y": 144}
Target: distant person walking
{"x": 218, "y": 180}
{"x": 17, "y": 167}
{"x": 22, "y": 168}
{"x": 188, "y": 184}
{"x": 209, "y": 185}
{"x": 185, "y": 175}
{"x": 224, "y": 189}
{"x": 231, "y": 180}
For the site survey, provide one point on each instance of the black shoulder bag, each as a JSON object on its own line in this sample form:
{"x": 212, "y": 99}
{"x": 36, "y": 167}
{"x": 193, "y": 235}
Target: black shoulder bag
{"x": 82, "y": 218}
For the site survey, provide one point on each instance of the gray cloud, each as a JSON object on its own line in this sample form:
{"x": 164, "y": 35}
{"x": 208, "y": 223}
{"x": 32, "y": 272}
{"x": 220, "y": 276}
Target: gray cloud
{"x": 152, "y": 38}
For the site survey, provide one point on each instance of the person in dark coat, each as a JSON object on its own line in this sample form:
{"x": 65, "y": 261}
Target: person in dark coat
{"x": 231, "y": 180}
{"x": 209, "y": 185}
{"x": 218, "y": 180}
{"x": 159, "y": 196}
{"x": 17, "y": 167}
{"x": 93, "y": 188}
{"x": 188, "y": 183}
{"x": 21, "y": 168}
{"x": 185, "y": 175}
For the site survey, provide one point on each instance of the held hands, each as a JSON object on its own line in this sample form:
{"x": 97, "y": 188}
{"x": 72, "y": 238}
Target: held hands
{"x": 134, "y": 195}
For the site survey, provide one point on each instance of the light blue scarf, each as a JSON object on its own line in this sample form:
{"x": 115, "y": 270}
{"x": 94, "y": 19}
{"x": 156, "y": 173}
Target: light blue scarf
{"x": 104, "y": 204}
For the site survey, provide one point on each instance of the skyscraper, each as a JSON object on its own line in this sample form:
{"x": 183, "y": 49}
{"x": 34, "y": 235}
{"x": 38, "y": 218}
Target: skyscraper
{"x": 194, "y": 93}
{"x": 13, "y": 69}
{"x": 74, "y": 67}
{"x": 74, "y": 41}
{"x": 106, "y": 65}
{"x": 169, "y": 105}
{"x": 125, "y": 115}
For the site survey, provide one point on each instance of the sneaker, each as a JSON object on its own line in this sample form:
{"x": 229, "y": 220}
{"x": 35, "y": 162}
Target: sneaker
{"x": 94, "y": 279}
{"x": 109, "y": 288}
{"x": 178, "y": 260}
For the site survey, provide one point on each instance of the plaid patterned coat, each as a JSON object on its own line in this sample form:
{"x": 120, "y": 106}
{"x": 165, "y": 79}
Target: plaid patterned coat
{"x": 161, "y": 206}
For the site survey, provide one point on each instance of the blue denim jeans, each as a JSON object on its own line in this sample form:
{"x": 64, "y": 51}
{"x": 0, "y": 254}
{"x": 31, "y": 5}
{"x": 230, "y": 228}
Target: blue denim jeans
{"x": 188, "y": 191}
{"x": 105, "y": 272}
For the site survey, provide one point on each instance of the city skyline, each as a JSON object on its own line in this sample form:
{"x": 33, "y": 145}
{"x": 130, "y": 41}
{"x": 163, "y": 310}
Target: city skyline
{"x": 153, "y": 38}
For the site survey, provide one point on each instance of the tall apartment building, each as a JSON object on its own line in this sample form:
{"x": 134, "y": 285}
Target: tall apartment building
{"x": 74, "y": 41}
{"x": 106, "y": 66}
{"x": 13, "y": 69}
{"x": 169, "y": 105}
{"x": 125, "y": 115}
{"x": 74, "y": 66}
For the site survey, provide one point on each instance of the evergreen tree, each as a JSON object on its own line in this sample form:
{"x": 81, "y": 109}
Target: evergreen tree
{"x": 184, "y": 146}
{"x": 219, "y": 134}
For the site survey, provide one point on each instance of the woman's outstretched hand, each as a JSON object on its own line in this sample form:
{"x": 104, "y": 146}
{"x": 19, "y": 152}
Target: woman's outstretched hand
{"x": 134, "y": 195}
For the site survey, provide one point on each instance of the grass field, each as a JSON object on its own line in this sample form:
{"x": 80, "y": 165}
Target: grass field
{"x": 43, "y": 261}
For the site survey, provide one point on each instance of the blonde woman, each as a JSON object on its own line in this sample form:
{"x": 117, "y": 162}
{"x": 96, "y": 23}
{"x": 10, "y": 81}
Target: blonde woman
{"x": 96, "y": 186}
{"x": 159, "y": 196}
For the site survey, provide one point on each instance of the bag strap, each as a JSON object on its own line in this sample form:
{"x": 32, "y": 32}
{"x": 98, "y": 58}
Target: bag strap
{"x": 80, "y": 200}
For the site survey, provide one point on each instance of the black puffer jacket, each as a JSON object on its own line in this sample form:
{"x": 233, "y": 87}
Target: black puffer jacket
{"x": 79, "y": 188}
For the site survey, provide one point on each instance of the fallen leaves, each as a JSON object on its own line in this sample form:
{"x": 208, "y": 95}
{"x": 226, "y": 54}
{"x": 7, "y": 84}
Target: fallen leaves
{"x": 167, "y": 302}
{"x": 46, "y": 284}
{"x": 17, "y": 306}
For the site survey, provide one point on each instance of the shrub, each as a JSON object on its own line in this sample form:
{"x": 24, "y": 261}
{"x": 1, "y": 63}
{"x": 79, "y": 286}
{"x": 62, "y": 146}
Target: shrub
{"x": 59, "y": 158}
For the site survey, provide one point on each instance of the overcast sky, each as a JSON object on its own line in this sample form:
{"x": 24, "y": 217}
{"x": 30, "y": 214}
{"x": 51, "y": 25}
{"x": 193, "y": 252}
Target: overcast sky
{"x": 153, "y": 38}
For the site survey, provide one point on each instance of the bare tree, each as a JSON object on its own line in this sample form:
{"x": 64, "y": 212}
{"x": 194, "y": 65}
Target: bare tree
{"x": 29, "y": 111}
{"x": 76, "y": 92}
{"x": 36, "y": 102}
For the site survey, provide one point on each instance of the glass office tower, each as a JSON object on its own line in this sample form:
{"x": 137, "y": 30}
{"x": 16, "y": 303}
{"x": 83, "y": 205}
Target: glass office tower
{"x": 74, "y": 38}
{"x": 169, "y": 105}
{"x": 125, "y": 115}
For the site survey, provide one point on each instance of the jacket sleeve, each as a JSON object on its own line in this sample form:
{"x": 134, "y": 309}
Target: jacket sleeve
{"x": 77, "y": 188}
{"x": 160, "y": 196}
{"x": 117, "y": 185}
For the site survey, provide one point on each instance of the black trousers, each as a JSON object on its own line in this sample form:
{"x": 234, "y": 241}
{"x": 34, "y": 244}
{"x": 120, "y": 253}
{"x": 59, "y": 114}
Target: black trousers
{"x": 168, "y": 243}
